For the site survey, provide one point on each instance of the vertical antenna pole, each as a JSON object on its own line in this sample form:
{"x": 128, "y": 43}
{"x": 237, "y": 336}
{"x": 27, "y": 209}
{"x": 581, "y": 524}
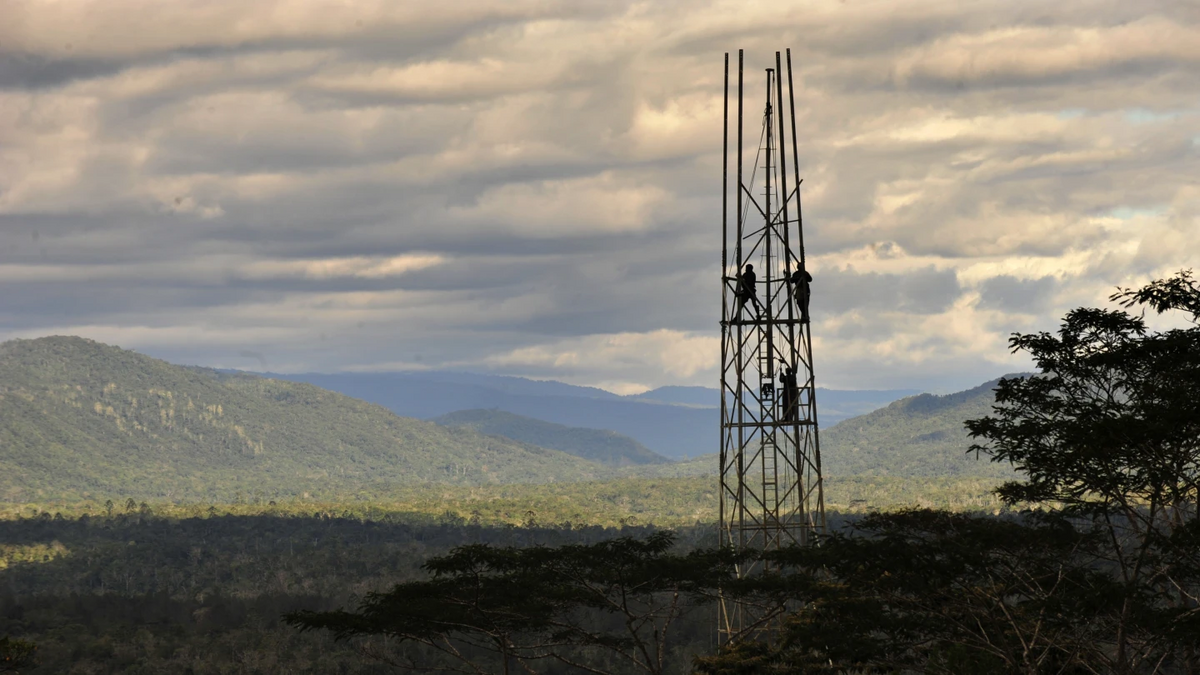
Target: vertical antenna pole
{"x": 725, "y": 182}
{"x": 791, "y": 416}
{"x": 783, "y": 169}
{"x": 795, "y": 160}
{"x": 740, "y": 395}
{"x": 768, "y": 218}
{"x": 724, "y": 289}
{"x": 806, "y": 329}
{"x": 739, "y": 165}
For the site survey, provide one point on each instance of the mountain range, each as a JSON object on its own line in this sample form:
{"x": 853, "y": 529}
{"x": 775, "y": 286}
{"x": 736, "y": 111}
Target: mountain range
{"x": 676, "y": 422}
{"x": 79, "y": 419}
{"x": 918, "y": 437}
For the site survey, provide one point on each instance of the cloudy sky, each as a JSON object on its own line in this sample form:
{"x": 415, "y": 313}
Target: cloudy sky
{"x": 533, "y": 186}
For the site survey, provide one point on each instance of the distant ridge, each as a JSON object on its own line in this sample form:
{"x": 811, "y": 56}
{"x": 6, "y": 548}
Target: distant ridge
{"x": 917, "y": 437}
{"x": 676, "y": 422}
{"x": 834, "y": 405}
{"x": 79, "y": 418}
{"x": 697, "y": 396}
{"x": 604, "y": 447}
{"x": 669, "y": 430}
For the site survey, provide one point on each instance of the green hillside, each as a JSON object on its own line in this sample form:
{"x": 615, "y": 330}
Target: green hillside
{"x": 596, "y": 445}
{"x": 83, "y": 419}
{"x": 919, "y": 437}
{"x": 915, "y": 437}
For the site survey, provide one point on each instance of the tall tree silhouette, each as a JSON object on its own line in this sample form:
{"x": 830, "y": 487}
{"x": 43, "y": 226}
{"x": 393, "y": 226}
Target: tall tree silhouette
{"x": 605, "y": 607}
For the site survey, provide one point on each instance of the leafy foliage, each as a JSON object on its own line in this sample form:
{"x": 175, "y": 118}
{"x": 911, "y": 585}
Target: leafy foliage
{"x": 933, "y": 592}
{"x": 666, "y": 502}
{"x": 485, "y": 605}
{"x": 1109, "y": 432}
{"x": 16, "y": 654}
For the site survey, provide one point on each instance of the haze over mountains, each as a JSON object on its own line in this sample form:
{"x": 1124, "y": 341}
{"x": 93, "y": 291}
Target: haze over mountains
{"x": 600, "y": 446}
{"x": 83, "y": 419}
{"x": 919, "y": 437}
{"x": 676, "y": 422}
{"x": 79, "y": 418}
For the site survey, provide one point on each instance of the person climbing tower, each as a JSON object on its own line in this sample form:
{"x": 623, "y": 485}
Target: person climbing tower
{"x": 791, "y": 394}
{"x": 801, "y": 292}
{"x": 747, "y": 290}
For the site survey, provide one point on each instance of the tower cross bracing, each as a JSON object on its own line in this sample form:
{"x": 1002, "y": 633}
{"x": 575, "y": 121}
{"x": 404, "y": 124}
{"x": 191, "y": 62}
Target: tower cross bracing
{"x": 771, "y": 493}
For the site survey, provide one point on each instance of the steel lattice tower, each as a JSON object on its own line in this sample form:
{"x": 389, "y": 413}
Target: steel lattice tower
{"x": 771, "y": 489}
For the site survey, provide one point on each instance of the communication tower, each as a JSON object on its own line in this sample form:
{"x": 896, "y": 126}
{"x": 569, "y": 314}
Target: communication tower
{"x": 771, "y": 489}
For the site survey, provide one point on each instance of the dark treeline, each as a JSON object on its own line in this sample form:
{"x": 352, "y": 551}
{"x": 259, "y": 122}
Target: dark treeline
{"x": 140, "y": 593}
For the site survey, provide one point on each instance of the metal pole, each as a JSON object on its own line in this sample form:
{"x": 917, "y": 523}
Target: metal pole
{"x": 724, "y": 293}
{"x": 806, "y": 329}
{"x": 769, "y": 487}
{"x": 725, "y": 186}
{"x": 767, "y": 239}
{"x": 783, "y": 174}
{"x": 740, "y": 454}
{"x": 739, "y": 165}
{"x": 795, "y": 161}
{"x": 791, "y": 415}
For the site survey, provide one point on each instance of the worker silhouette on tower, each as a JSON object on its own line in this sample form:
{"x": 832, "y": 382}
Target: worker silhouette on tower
{"x": 747, "y": 290}
{"x": 791, "y": 394}
{"x": 800, "y": 291}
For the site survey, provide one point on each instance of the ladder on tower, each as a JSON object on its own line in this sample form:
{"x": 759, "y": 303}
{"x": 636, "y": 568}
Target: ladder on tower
{"x": 770, "y": 483}
{"x": 768, "y": 447}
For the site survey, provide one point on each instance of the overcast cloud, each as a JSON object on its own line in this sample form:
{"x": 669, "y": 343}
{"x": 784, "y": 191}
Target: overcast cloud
{"x": 533, "y": 187}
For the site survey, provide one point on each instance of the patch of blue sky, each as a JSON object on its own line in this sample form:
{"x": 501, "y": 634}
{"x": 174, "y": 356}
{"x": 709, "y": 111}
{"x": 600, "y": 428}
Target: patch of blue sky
{"x": 1129, "y": 212}
{"x": 1145, "y": 116}
{"x": 1071, "y": 113}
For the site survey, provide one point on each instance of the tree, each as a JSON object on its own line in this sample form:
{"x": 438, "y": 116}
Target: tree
{"x": 1109, "y": 432}
{"x": 930, "y": 591}
{"x": 16, "y": 654}
{"x": 592, "y": 607}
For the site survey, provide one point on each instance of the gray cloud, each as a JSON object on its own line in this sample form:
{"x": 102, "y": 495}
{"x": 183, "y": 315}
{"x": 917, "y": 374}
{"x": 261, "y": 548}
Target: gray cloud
{"x": 34, "y": 71}
{"x": 922, "y": 291}
{"x": 1025, "y": 296}
{"x": 533, "y": 187}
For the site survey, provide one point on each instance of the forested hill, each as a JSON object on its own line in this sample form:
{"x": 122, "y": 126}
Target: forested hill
{"x": 79, "y": 418}
{"x": 596, "y": 445}
{"x": 919, "y": 437}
